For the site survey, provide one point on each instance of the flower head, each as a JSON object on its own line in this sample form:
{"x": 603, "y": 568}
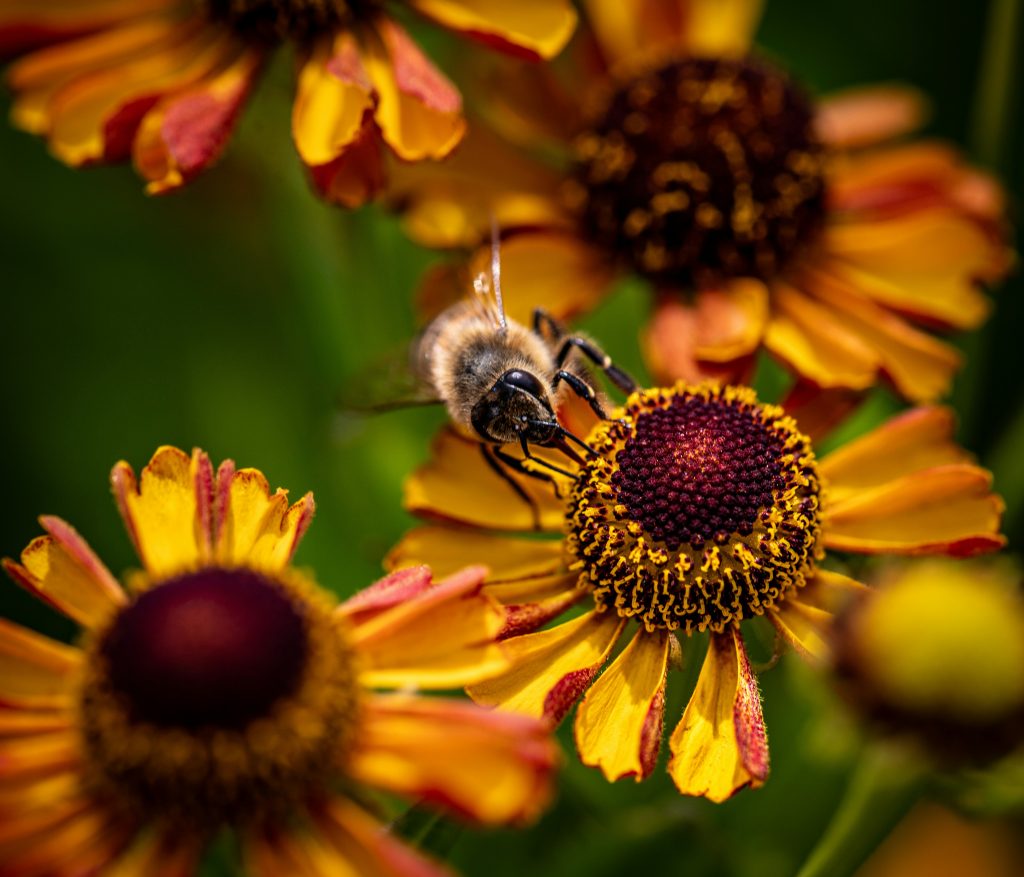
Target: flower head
{"x": 701, "y": 510}
{"x": 759, "y": 217}
{"x": 936, "y": 653}
{"x": 224, "y": 689}
{"x": 163, "y": 82}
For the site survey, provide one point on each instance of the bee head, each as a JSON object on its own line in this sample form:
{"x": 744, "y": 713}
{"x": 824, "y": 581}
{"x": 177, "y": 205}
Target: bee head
{"x": 515, "y": 408}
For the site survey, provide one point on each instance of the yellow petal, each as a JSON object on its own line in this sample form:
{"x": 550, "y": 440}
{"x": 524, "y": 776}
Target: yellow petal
{"x": 63, "y": 571}
{"x": 910, "y": 442}
{"x": 492, "y": 767}
{"x": 447, "y": 549}
{"x": 34, "y": 723}
{"x": 333, "y": 93}
{"x": 804, "y": 619}
{"x": 254, "y": 527}
{"x": 531, "y": 28}
{"x": 418, "y": 110}
{"x": 157, "y": 855}
{"x": 720, "y": 746}
{"x": 869, "y": 114}
{"x": 457, "y": 484}
{"x": 444, "y": 637}
{"x": 948, "y": 509}
{"x": 35, "y": 671}
{"x": 619, "y": 722}
{"x": 41, "y": 755}
{"x": 168, "y": 512}
{"x": 919, "y": 366}
{"x": 814, "y": 341}
{"x": 551, "y": 668}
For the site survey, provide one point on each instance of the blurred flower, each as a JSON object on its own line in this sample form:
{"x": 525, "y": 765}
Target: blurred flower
{"x": 701, "y": 508}
{"x": 224, "y": 689}
{"x": 163, "y": 81}
{"x": 758, "y": 216}
{"x": 936, "y": 652}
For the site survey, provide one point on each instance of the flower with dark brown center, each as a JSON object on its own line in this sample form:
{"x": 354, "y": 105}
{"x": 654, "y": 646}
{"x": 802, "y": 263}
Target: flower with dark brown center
{"x": 274, "y": 20}
{"x": 702, "y": 170}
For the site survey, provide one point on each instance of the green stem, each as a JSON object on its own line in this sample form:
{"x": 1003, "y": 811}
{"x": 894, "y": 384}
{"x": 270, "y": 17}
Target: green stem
{"x": 428, "y": 829}
{"x": 883, "y": 788}
{"x": 993, "y": 110}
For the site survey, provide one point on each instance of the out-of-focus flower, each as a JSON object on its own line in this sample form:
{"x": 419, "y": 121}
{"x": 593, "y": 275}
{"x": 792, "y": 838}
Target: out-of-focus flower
{"x": 162, "y": 82}
{"x": 700, "y": 509}
{"x": 936, "y": 653}
{"x": 758, "y": 216}
{"x": 224, "y": 689}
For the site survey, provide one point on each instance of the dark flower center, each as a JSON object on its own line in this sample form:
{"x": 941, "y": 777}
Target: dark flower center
{"x": 276, "y": 20}
{"x": 702, "y": 170}
{"x": 216, "y": 647}
{"x": 699, "y": 510}
{"x": 698, "y": 470}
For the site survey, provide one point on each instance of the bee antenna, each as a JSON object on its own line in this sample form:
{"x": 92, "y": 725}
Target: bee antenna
{"x": 496, "y": 274}
{"x": 576, "y": 440}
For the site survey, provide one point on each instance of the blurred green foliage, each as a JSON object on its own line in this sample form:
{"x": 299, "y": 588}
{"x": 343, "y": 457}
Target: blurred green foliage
{"x": 229, "y": 315}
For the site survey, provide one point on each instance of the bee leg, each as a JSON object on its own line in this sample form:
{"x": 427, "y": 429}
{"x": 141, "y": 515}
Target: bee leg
{"x": 541, "y": 462}
{"x": 582, "y": 389}
{"x": 491, "y": 455}
{"x": 544, "y": 324}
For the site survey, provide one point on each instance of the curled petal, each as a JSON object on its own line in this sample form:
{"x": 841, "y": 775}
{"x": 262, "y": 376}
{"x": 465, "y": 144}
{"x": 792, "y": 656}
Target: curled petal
{"x": 720, "y": 746}
{"x": 552, "y": 668}
{"x": 491, "y": 767}
{"x": 619, "y": 722}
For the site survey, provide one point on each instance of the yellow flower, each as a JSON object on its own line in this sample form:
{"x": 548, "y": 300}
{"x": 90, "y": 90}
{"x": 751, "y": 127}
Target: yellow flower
{"x": 936, "y": 653}
{"x": 701, "y": 509}
{"x": 759, "y": 217}
{"x": 223, "y": 688}
{"x": 163, "y": 82}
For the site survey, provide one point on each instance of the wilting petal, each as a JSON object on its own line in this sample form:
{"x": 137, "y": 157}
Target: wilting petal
{"x": 392, "y": 590}
{"x": 910, "y": 442}
{"x": 62, "y": 570}
{"x": 188, "y": 131}
{"x": 446, "y": 549}
{"x": 523, "y": 618}
{"x": 451, "y": 203}
{"x": 816, "y": 343}
{"x": 529, "y": 28}
{"x": 926, "y": 264}
{"x": 711, "y": 336}
{"x": 804, "y": 619}
{"x": 492, "y": 767}
{"x": 947, "y": 509}
{"x": 867, "y": 115}
{"x": 552, "y": 668}
{"x": 254, "y": 527}
{"x": 458, "y": 485}
{"x": 94, "y": 118}
{"x": 442, "y": 638}
{"x": 918, "y": 365}
{"x": 419, "y": 111}
{"x": 619, "y": 722}
{"x": 720, "y": 745}
{"x": 35, "y": 671}
{"x": 168, "y": 512}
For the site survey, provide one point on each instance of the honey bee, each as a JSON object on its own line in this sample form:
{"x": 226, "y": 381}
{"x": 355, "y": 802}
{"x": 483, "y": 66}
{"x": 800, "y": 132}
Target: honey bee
{"x": 502, "y": 383}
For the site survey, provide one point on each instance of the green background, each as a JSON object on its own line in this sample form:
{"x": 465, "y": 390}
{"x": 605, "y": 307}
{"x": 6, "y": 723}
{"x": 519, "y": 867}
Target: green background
{"x": 228, "y": 316}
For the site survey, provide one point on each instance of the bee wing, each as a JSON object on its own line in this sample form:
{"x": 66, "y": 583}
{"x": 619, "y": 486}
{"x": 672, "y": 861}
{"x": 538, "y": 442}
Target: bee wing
{"x": 387, "y": 384}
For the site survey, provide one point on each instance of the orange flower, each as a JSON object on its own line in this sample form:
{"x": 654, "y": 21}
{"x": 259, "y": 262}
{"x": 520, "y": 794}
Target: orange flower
{"x": 163, "y": 81}
{"x": 700, "y": 511}
{"x": 759, "y": 217}
{"x": 224, "y": 689}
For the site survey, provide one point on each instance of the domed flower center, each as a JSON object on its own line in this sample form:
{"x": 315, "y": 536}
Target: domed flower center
{"x": 218, "y": 694}
{"x": 702, "y": 170}
{"x": 700, "y": 510}
{"x": 217, "y": 647}
{"x": 274, "y": 20}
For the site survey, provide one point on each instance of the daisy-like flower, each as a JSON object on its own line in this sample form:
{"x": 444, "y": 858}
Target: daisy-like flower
{"x": 701, "y": 510}
{"x": 224, "y": 689}
{"x": 162, "y": 82}
{"x": 953, "y": 679}
{"x": 759, "y": 217}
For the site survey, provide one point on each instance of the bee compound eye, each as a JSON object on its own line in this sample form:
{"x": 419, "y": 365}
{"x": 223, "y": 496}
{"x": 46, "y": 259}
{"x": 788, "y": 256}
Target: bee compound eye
{"x": 523, "y": 380}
